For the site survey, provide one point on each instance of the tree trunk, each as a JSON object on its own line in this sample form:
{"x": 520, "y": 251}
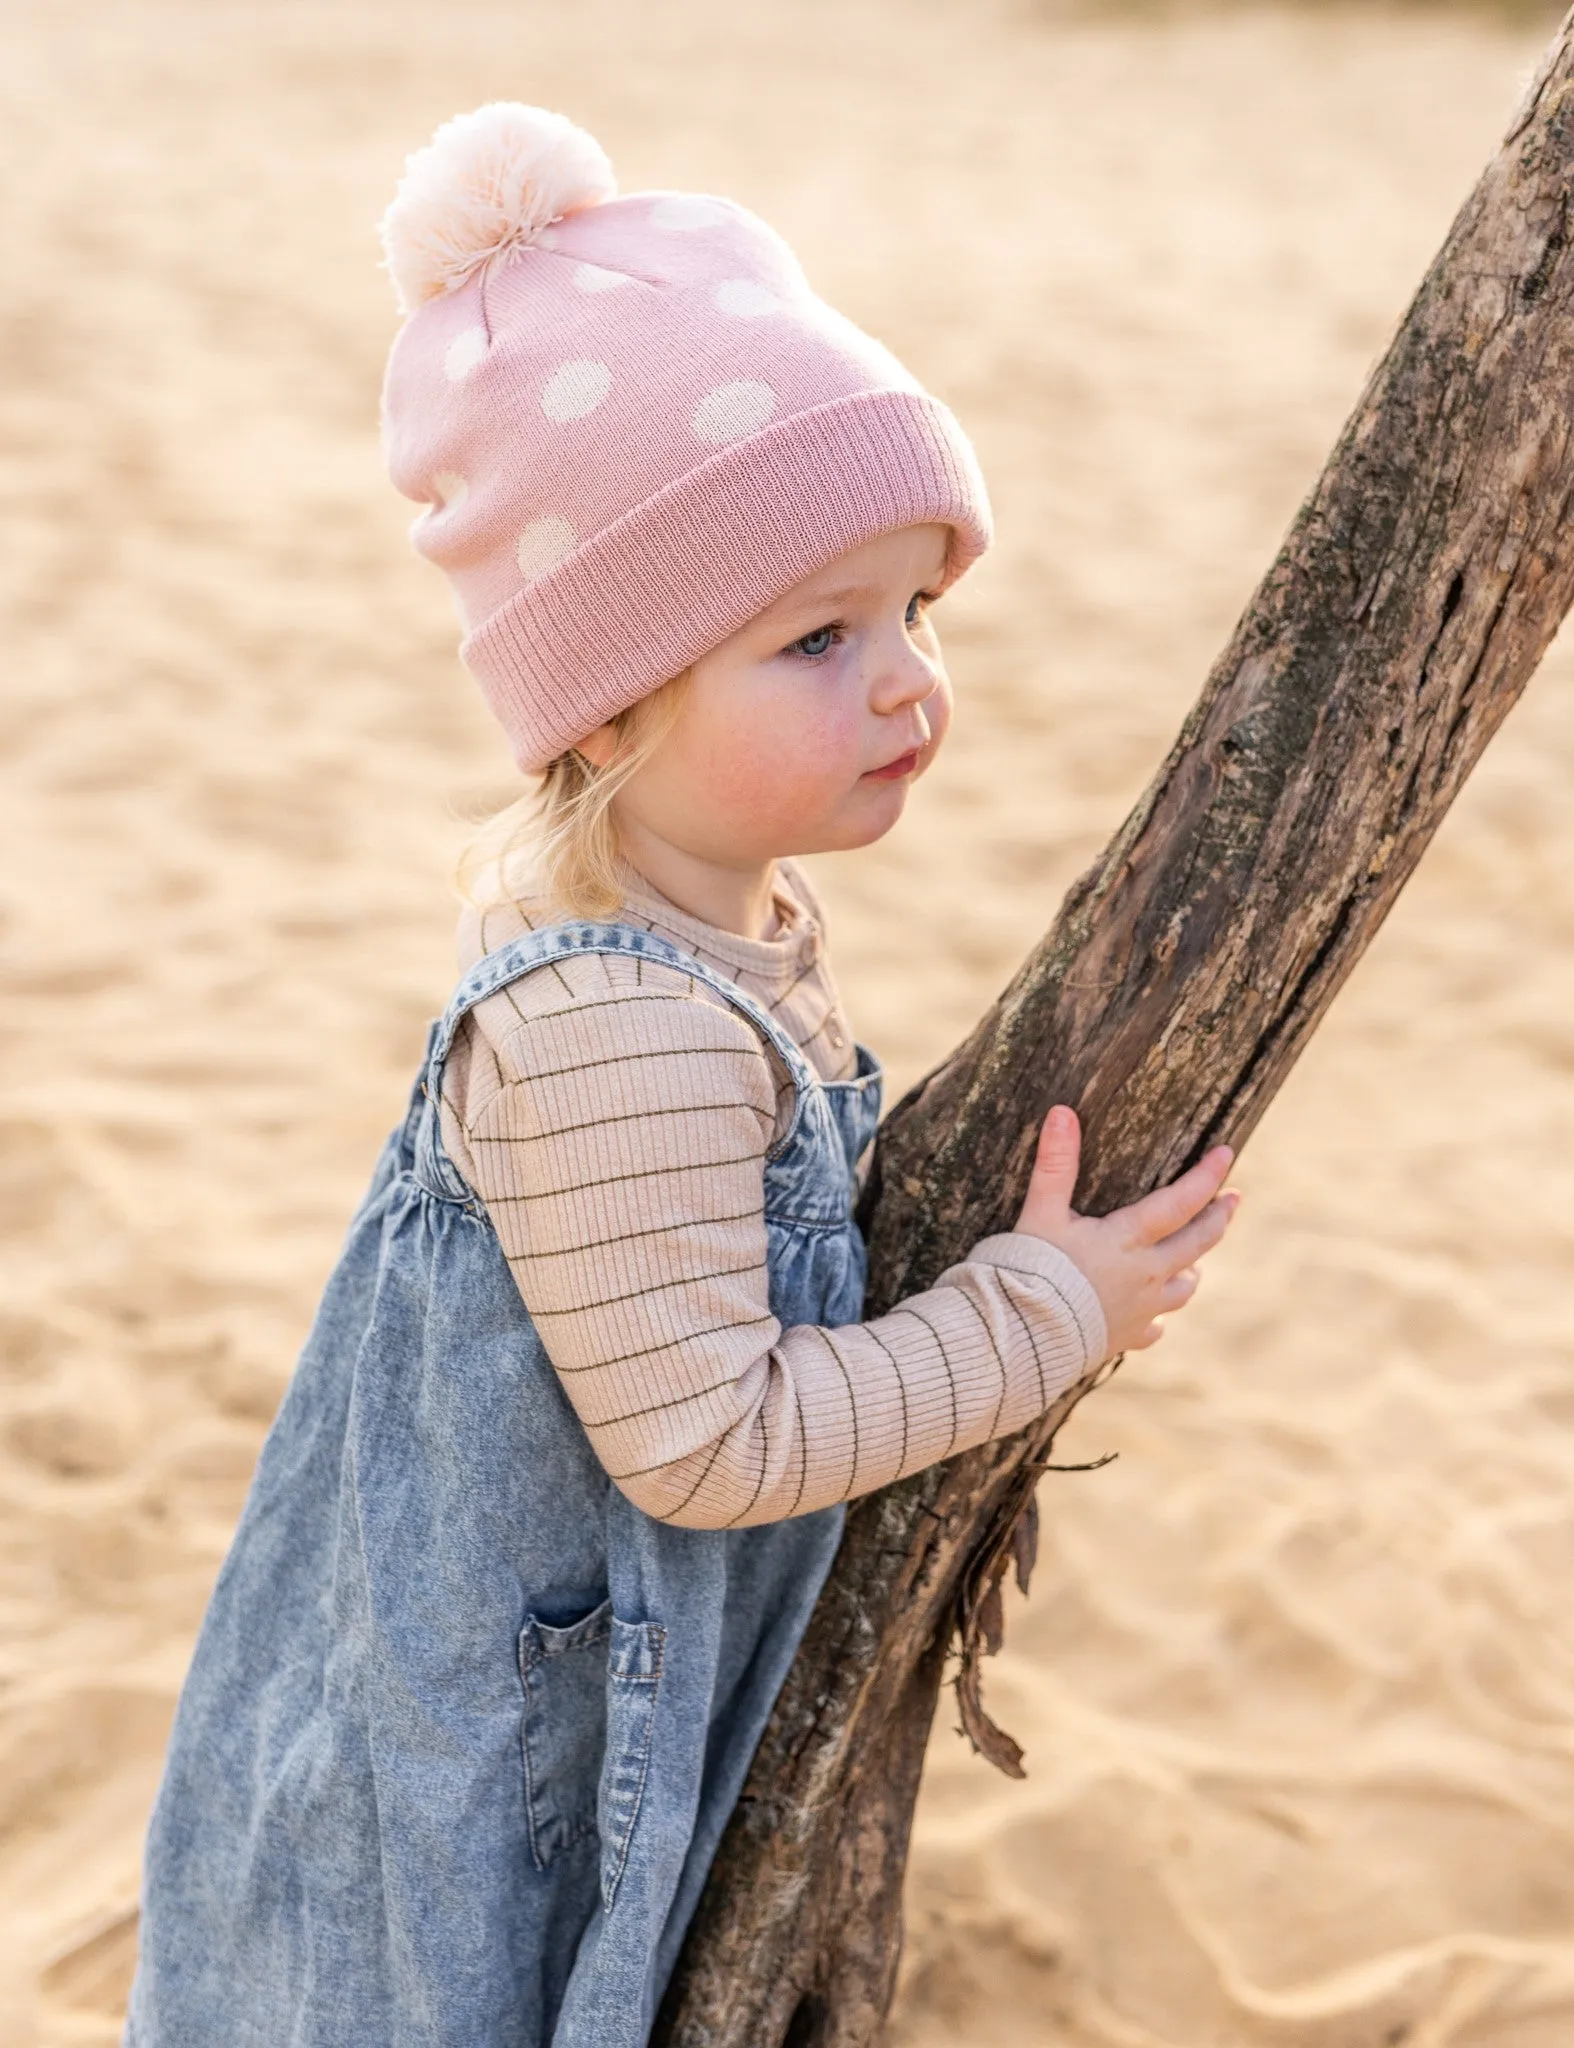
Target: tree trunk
{"x": 1415, "y": 593}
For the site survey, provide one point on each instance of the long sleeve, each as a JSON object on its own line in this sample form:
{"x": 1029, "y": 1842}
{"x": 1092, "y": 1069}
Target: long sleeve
{"x": 616, "y": 1130}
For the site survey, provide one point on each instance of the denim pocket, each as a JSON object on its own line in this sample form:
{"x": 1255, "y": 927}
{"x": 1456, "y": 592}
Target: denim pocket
{"x": 633, "y": 1680}
{"x": 564, "y": 1730}
{"x": 590, "y": 1696}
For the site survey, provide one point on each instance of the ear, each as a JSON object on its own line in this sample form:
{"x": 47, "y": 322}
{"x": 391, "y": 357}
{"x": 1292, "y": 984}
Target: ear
{"x": 599, "y": 746}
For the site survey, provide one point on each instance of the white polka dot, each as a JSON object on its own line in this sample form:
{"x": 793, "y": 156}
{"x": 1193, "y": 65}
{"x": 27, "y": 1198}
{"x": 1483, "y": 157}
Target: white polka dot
{"x": 590, "y": 277}
{"x": 744, "y": 299}
{"x": 685, "y": 212}
{"x": 575, "y": 388}
{"x": 546, "y": 238}
{"x": 733, "y": 410}
{"x": 542, "y": 545}
{"x": 464, "y": 352}
{"x": 451, "y": 488}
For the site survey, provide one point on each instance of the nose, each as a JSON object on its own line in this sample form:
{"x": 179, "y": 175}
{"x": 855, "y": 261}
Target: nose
{"x": 903, "y": 676}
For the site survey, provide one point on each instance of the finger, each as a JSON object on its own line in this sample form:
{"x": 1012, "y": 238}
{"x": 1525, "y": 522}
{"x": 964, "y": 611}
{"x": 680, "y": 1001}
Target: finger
{"x": 1056, "y": 1160}
{"x": 1149, "y": 1337}
{"x": 1178, "y": 1289}
{"x": 1157, "y": 1215}
{"x": 1186, "y": 1246}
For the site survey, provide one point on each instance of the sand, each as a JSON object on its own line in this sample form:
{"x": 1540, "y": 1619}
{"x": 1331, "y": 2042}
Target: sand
{"x": 1298, "y": 1706}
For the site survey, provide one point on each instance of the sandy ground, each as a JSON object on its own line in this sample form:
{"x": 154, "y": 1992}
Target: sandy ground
{"x": 1298, "y": 1706}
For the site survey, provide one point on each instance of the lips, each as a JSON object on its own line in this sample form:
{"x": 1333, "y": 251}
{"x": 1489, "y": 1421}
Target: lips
{"x": 904, "y": 764}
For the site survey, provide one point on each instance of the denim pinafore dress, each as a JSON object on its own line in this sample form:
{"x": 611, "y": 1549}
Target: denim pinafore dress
{"x": 463, "y": 1725}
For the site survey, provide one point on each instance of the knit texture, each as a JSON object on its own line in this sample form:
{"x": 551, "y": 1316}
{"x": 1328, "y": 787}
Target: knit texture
{"x": 634, "y": 429}
{"x": 613, "y": 1115}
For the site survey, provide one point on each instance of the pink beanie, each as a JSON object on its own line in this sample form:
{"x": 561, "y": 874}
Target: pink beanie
{"x": 631, "y": 422}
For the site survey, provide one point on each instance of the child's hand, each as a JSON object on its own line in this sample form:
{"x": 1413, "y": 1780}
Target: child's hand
{"x": 1142, "y": 1259}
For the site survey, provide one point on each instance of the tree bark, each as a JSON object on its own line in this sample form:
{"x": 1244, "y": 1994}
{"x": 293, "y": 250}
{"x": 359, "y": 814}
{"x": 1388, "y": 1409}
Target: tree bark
{"x": 1416, "y": 591}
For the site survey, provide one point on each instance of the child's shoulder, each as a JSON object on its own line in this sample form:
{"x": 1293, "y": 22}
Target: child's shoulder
{"x": 596, "y": 1036}
{"x": 599, "y": 1007}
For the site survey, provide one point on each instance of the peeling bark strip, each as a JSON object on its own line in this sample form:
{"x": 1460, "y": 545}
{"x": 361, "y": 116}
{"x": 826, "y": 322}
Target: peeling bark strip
{"x": 1412, "y": 599}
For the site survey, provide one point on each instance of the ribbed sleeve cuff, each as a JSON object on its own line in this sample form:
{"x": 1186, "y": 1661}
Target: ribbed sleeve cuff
{"x": 1016, "y": 1252}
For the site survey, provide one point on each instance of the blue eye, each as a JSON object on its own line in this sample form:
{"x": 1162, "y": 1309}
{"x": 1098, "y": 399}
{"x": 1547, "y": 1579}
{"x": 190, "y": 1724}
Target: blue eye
{"x": 816, "y": 644}
{"x": 917, "y": 605}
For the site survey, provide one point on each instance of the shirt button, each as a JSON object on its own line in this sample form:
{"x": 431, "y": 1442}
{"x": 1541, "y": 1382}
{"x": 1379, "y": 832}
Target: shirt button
{"x": 836, "y": 1038}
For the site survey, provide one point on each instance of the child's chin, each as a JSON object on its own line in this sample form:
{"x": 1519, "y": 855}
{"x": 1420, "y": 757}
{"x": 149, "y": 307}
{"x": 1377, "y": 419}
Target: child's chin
{"x": 874, "y": 816}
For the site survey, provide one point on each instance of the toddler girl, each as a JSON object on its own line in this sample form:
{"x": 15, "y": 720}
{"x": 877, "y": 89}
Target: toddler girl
{"x": 561, "y": 1470}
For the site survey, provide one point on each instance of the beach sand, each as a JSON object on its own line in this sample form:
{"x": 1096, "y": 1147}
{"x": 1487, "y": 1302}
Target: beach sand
{"x": 1298, "y": 1707}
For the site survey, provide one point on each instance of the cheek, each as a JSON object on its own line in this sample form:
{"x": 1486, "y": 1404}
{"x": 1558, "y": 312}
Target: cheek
{"x": 937, "y": 710}
{"x": 797, "y": 745}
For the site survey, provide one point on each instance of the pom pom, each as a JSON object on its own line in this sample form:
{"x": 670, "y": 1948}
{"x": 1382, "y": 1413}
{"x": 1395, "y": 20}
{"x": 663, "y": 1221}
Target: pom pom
{"x": 487, "y": 181}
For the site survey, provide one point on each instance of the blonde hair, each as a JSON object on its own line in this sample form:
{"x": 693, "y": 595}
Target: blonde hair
{"x": 566, "y": 822}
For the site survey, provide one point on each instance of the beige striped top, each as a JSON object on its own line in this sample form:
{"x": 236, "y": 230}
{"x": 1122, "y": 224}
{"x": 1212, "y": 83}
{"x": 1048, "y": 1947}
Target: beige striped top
{"x": 613, "y": 1115}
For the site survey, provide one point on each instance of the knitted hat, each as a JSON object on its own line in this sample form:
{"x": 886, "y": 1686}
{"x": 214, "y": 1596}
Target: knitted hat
{"x": 630, "y": 420}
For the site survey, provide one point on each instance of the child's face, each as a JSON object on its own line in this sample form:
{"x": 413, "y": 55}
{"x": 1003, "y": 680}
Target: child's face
{"x": 804, "y": 730}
